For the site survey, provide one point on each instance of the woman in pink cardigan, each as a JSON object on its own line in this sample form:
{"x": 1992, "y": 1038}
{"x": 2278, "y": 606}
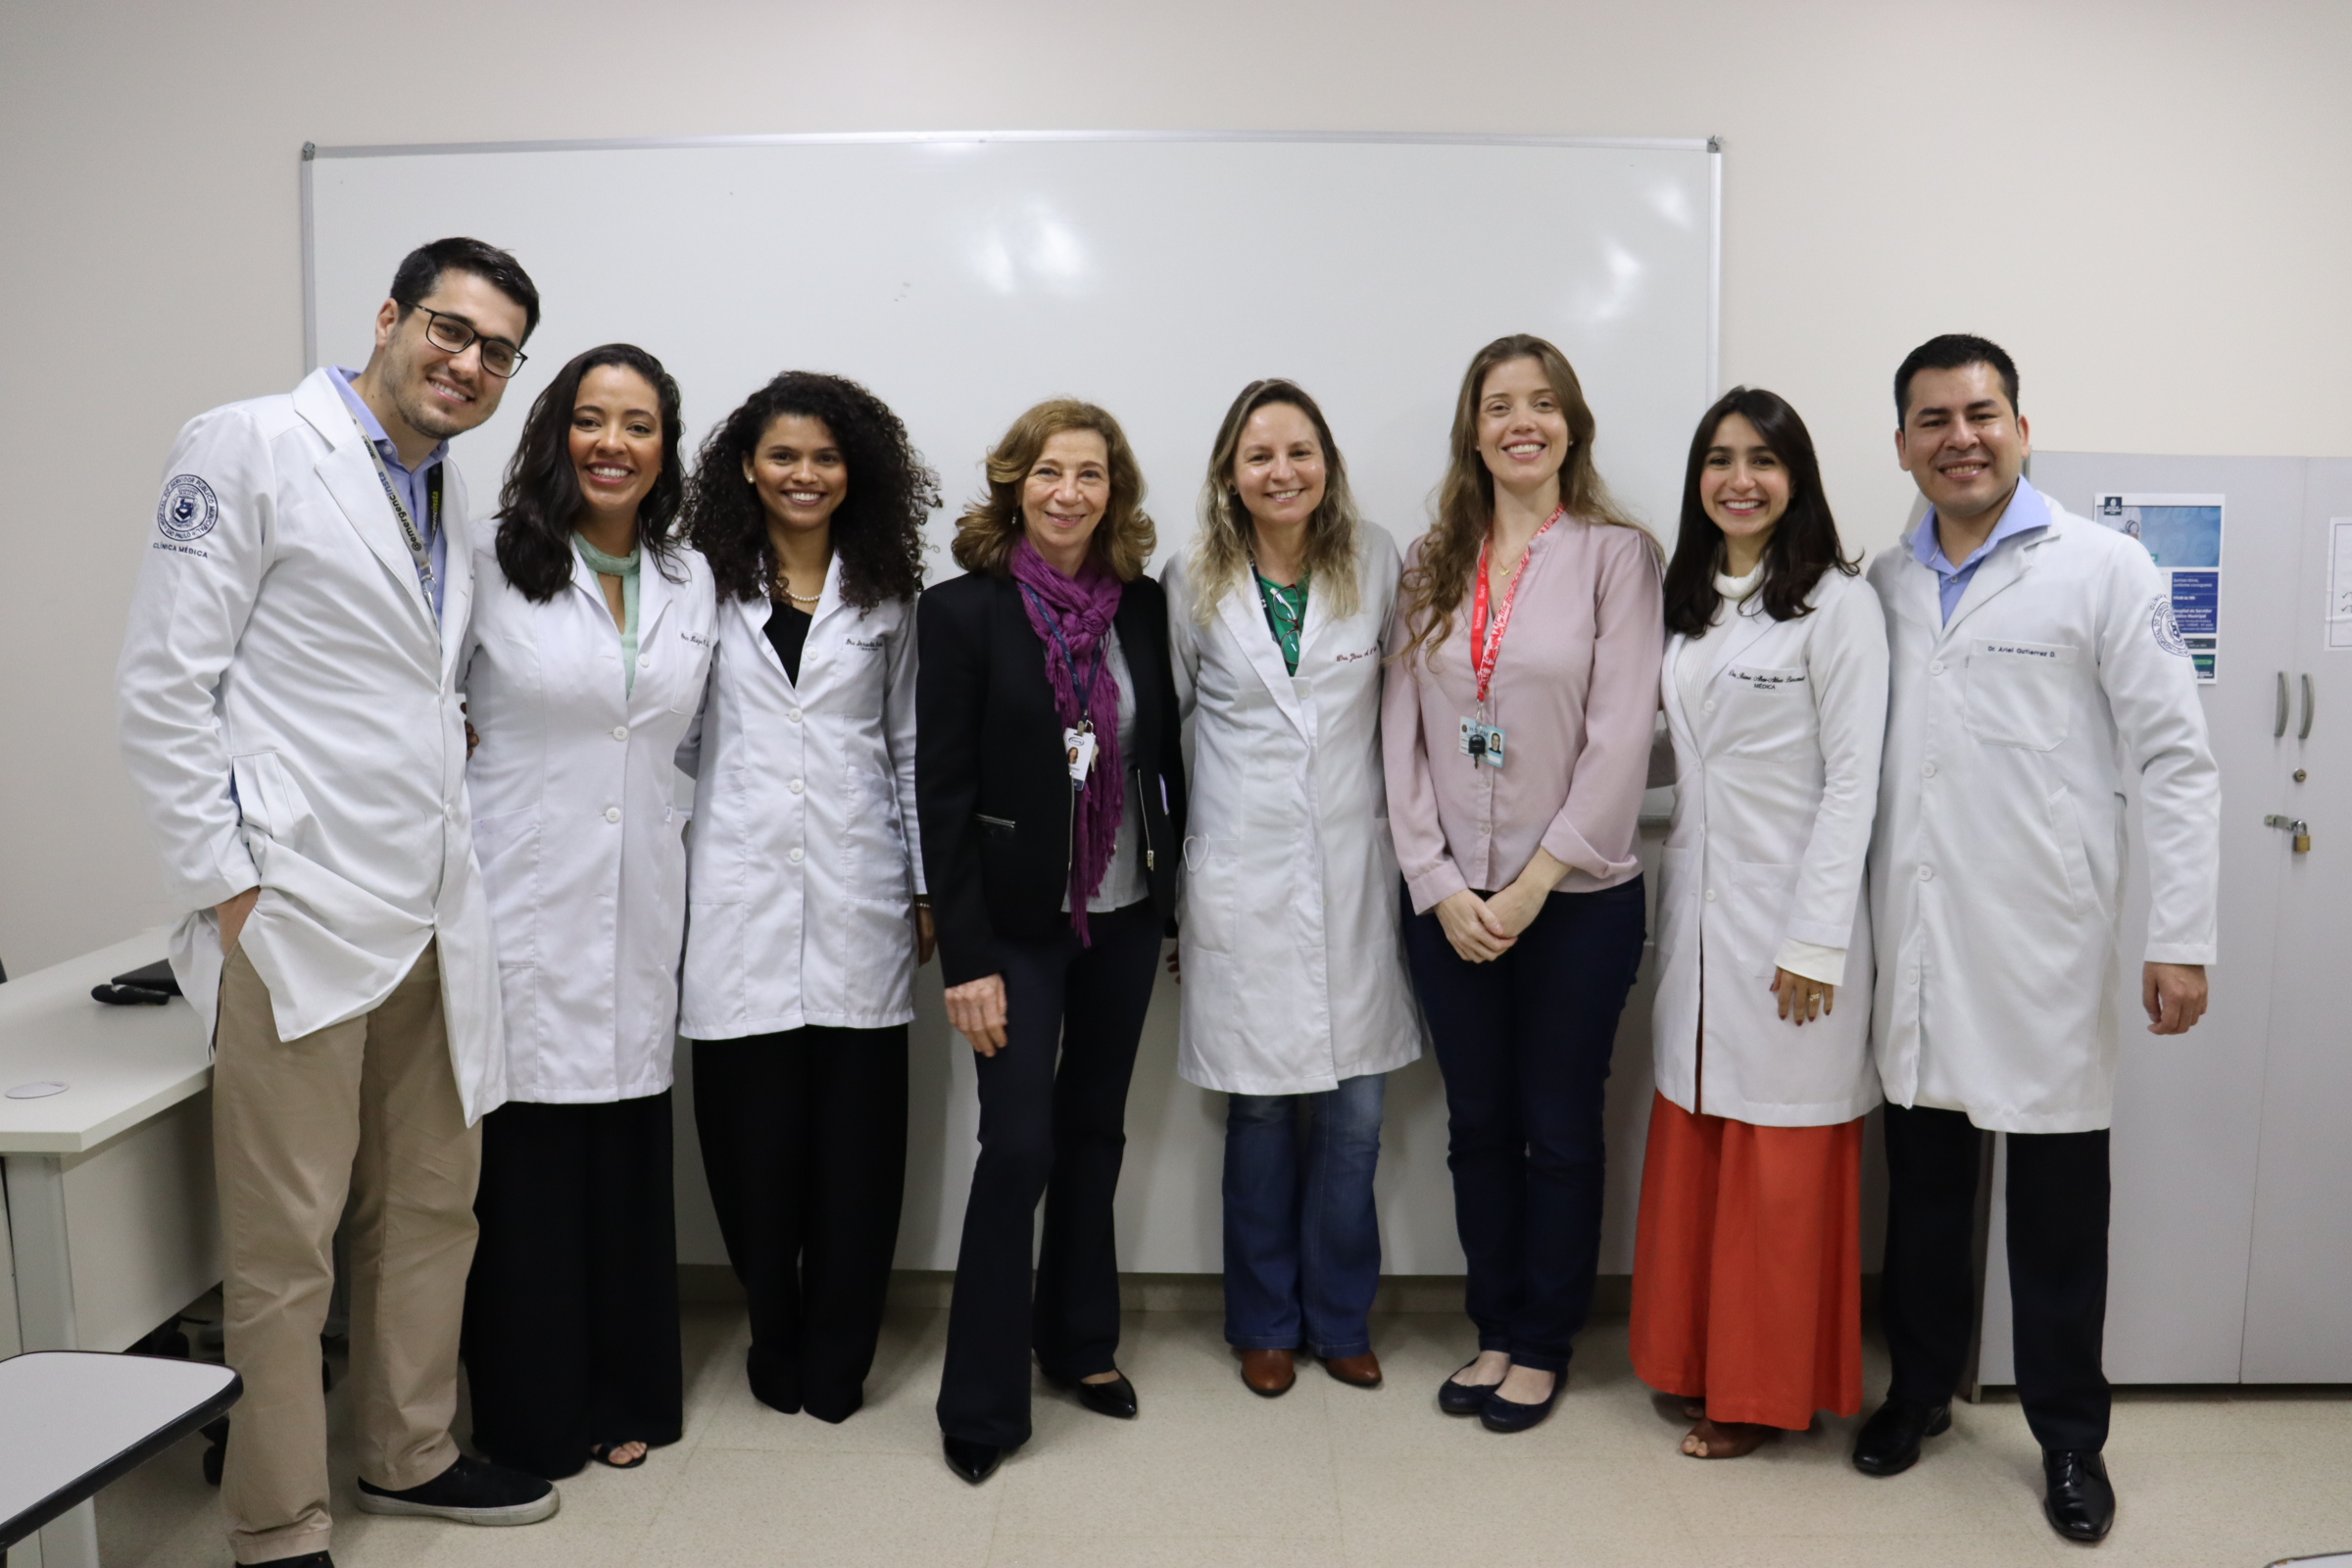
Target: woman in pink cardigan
{"x": 1516, "y": 730}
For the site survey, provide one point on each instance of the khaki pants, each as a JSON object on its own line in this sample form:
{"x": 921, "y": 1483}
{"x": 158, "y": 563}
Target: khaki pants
{"x": 367, "y": 1112}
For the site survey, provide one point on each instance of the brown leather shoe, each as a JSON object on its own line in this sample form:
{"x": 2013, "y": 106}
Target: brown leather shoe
{"x": 1269, "y": 1373}
{"x": 1357, "y": 1371}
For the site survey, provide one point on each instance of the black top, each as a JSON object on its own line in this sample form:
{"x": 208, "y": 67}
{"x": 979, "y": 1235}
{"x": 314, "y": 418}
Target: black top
{"x": 788, "y": 632}
{"x": 992, "y": 781}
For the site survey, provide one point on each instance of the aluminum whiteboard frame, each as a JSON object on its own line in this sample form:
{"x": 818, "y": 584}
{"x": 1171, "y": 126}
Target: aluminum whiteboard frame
{"x": 1712, "y": 146}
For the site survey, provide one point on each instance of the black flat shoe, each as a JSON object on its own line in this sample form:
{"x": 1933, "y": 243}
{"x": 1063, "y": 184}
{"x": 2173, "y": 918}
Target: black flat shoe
{"x": 1888, "y": 1442}
{"x": 1508, "y": 1415}
{"x": 974, "y": 1461}
{"x": 1463, "y": 1398}
{"x": 2079, "y": 1502}
{"x": 1116, "y": 1399}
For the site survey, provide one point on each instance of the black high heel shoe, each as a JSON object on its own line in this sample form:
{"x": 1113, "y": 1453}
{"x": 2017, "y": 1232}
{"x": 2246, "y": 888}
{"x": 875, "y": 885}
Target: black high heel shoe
{"x": 975, "y": 1462}
{"x": 1116, "y": 1399}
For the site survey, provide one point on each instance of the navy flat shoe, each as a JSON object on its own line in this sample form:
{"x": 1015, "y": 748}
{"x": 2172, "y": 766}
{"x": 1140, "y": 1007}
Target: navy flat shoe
{"x": 1509, "y": 1415}
{"x": 1463, "y": 1398}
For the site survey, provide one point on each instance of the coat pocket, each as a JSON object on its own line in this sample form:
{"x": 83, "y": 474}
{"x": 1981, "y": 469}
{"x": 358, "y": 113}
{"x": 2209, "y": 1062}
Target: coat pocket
{"x": 1208, "y": 909}
{"x": 268, "y": 799}
{"x": 2019, "y": 694}
{"x": 873, "y": 839}
{"x": 1762, "y": 896}
{"x": 506, "y": 846}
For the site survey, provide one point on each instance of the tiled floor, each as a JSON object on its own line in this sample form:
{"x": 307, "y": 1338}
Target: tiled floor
{"x": 1210, "y": 1477}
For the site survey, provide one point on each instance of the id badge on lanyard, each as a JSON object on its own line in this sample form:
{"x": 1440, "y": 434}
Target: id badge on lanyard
{"x": 1078, "y": 741}
{"x": 1482, "y": 742}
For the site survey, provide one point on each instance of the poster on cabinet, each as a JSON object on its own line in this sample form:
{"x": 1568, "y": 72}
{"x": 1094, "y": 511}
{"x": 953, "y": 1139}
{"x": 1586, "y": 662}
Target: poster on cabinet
{"x": 2182, "y": 535}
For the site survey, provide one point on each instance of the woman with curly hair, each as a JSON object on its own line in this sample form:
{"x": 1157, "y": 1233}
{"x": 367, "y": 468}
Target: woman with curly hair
{"x": 1515, "y": 774}
{"x": 584, "y": 663}
{"x": 803, "y": 886}
{"x": 1053, "y": 801}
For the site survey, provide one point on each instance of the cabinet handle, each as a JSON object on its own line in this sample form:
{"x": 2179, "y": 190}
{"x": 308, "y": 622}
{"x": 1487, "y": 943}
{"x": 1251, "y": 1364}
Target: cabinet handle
{"x": 2278, "y": 725}
{"x": 2304, "y": 733}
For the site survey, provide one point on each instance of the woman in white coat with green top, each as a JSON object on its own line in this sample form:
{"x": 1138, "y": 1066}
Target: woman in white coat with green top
{"x": 1296, "y": 999}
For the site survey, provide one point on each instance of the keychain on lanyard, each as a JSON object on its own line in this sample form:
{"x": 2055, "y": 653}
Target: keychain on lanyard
{"x": 1481, "y": 741}
{"x": 1078, "y": 740}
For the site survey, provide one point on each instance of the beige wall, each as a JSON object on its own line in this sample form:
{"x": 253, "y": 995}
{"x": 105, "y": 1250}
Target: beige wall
{"x": 2150, "y": 204}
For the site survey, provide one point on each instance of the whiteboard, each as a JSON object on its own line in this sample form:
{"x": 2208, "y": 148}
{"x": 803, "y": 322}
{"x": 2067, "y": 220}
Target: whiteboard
{"x": 965, "y": 276}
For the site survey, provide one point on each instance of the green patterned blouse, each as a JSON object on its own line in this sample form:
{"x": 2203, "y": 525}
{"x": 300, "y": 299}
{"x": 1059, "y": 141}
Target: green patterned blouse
{"x": 1286, "y": 613}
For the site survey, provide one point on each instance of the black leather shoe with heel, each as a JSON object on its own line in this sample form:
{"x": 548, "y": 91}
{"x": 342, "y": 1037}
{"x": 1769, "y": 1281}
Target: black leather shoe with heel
{"x": 1116, "y": 1399}
{"x": 1890, "y": 1441}
{"x": 975, "y": 1462}
{"x": 2079, "y": 1500}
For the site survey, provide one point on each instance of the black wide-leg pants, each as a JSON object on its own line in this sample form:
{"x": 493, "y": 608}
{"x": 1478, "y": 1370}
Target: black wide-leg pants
{"x": 571, "y": 1310}
{"x": 804, "y": 1144}
{"x": 1053, "y": 1125}
{"x": 2057, "y": 1216}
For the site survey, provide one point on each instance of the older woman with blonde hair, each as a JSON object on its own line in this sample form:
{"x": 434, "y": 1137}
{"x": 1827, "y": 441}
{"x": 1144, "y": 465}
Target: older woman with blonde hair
{"x": 1051, "y": 790}
{"x": 1515, "y": 774}
{"x": 1296, "y": 1005}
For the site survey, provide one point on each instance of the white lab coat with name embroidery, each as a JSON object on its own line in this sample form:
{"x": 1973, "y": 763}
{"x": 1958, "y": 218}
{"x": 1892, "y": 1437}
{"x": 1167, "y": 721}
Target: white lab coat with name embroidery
{"x": 1775, "y": 782}
{"x": 1293, "y": 962}
{"x": 288, "y": 711}
{"x": 1997, "y": 865}
{"x": 576, "y": 820}
{"x": 805, "y": 859}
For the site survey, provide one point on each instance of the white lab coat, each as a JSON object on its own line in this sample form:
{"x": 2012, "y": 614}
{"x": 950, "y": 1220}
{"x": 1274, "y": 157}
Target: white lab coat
{"x": 1775, "y": 782}
{"x": 576, "y": 821}
{"x": 289, "y": 719}
{"x": 1996, "y": 869}
{"x": 806, "y": 856}
{"x": 1293, "y": 958}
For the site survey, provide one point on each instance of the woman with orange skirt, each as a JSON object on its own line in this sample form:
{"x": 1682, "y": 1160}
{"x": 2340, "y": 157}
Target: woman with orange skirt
{"x": 1747, "y": 1266}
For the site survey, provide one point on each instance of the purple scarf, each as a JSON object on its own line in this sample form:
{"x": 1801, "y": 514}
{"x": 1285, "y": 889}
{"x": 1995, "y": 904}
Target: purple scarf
{"x": 1073, "y": 614}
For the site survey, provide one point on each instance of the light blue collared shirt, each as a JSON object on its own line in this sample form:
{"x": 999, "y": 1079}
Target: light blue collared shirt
{"x": 415, "y": 492}
{"x": 2027, "y": 512}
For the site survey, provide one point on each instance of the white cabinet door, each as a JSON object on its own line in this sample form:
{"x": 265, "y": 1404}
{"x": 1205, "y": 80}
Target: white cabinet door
{"x": 2189, "y": 1109}
{"x": 2299, "y": 1287}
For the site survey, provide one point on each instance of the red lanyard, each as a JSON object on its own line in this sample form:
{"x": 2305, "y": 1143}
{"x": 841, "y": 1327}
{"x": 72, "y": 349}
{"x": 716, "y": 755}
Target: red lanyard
{"x": 1483, "y": 652}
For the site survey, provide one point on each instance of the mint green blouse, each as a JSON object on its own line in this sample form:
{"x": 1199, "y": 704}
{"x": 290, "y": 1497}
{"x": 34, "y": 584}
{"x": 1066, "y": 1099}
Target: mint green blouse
{"x": 624, "y": 567}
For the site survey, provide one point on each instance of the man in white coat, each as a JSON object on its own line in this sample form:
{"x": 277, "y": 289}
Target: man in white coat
{"x": 2035, "y": 664}
{"x": 290, "y": 720}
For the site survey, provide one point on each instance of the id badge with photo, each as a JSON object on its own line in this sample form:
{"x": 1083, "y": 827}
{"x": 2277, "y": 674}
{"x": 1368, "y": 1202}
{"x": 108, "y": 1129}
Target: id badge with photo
{"x": 1079, "y": 745}
{"x": 1481, "y": 742}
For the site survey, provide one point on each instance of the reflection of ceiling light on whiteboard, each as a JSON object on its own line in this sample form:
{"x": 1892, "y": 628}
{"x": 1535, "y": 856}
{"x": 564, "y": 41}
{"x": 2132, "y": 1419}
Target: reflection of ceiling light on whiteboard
{"x": 1625, "y": 272}
{"x": 1037, "y": 248}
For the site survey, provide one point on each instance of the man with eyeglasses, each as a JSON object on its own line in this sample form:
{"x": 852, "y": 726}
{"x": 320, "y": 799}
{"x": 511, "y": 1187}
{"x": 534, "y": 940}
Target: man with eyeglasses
{"x": 290, "y": 719}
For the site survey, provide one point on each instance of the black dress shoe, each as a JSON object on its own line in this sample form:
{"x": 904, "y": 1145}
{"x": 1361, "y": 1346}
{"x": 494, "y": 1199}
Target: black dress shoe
{"x": 309, "y": 1559}
{"x": 974, "y": 1461}
{"x": 1888, "y": 1442}
{"x": 1509, "y": 1415}
{"x": 1116, "y": 1399}
{"x": 1463, "y": 1398}
{"x": 2080, "y": 1503}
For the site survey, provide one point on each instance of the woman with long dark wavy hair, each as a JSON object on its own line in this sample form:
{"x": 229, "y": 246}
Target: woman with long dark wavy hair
{"x": 1747, "y": 1269}
{"x": 805, "y": 885}
{"x": 583, "y": 665}
{"x": 1515, "y": 771}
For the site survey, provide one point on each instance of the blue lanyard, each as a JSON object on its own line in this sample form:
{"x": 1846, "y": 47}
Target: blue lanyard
{"x": 1053, "y": 624}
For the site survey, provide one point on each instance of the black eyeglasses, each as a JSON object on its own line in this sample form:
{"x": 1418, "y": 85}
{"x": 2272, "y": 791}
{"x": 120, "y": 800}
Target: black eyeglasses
{"x": 456, "y": 334}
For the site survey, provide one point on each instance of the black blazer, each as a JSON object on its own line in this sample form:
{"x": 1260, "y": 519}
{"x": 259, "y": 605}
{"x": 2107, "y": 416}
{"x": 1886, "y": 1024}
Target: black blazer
{"x": 992, "y": 780}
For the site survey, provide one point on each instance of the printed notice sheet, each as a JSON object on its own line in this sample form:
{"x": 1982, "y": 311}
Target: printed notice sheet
{"x": 2183, "y": 537}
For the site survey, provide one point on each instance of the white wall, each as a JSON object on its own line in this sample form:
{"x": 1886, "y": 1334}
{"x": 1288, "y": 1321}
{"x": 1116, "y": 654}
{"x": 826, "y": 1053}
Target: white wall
{"x": 2145, "y": 202}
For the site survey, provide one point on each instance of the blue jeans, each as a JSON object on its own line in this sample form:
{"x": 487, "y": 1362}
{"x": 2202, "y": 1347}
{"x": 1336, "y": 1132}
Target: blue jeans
{"x": 1301, "y": 1239}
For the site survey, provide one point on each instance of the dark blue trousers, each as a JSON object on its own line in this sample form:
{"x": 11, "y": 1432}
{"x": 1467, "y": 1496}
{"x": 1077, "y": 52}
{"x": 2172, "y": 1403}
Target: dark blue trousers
{"x": 1524, "y": 1043}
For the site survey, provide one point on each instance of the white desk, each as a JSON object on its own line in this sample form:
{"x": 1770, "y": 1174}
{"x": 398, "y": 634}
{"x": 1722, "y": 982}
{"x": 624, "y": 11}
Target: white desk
{"x": 111, "y": 1221}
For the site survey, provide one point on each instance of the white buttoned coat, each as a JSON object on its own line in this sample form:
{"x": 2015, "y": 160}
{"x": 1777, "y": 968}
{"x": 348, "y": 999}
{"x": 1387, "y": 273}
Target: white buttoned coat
{"x": 1293, "y": 958}
{"x": 576, "y": 821}
{"x": 288, "y": 711}
{"x": 1997, "y": 865}
{"x": 805, "y": 859}
{"x": 1776, "y": 784}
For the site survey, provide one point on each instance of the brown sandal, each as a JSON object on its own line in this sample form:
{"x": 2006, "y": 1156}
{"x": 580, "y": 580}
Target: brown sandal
{"x": 1723, "y": 1440}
